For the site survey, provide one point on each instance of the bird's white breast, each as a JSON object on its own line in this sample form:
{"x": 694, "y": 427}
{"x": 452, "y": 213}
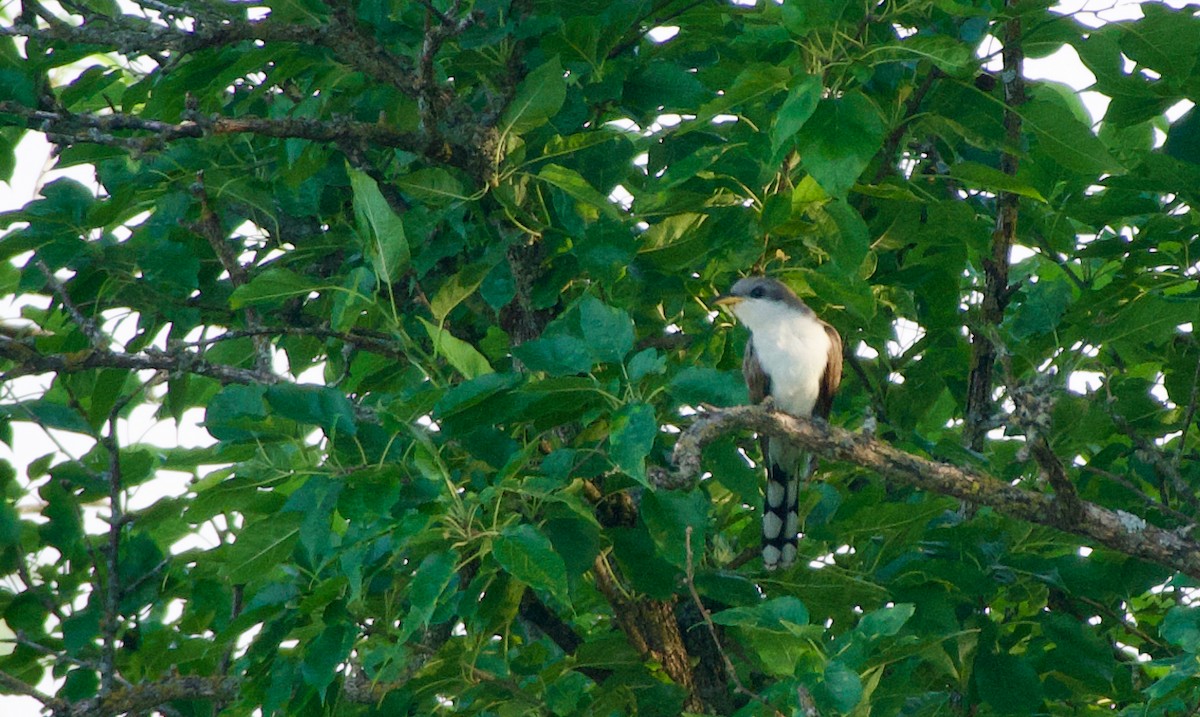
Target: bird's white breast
{"x": 793, "y": 350}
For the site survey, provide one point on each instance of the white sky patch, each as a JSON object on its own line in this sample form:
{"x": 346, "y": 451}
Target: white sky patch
{"x": 621, "y": 197}
{"x": 908, "y": 333}
{"x": 1084, "y": 382}
{"x": 663, "y": 33}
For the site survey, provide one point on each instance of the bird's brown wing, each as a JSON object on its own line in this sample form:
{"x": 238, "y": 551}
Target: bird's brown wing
{"x": 759, "y": 385}
{"x": 757, "y": 380}
{"x": 833, "y": 374}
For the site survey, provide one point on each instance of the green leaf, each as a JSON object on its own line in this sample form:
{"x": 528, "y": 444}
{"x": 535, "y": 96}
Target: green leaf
{"x": 668, "y": 514}
{"x": 431, "y": 580}
{"x": 236, "y": 412}
{"x": 380, "y": 228}
{"x": 634, "y": 428}
{"x": 325, "y": 653}
{"x": 563, "y": 695}
{"x": 538, "y": 98}
{"x": 49, "y": 414}
{"x": 576, "y": 186}
{"x": 607, "y": 330}
{"x": 464, "y": 357}
{"x": 1165, "y": 40}
{"x": 271, "y": 286}
{"x": 456, "y": 289}
{"x": 696, "y": 385}
{"x": 946, "y": 53}
{"x": 664, "y": 85}
{"x": 839, "y": 140}
{"x": 885, "y": 622}
{"x": 316, "y": 405}
{"x": 781, "y": 615}
{"x": 645, "y": 363}
{"x": 432, "y": 185}
{"x": 801, "y": 102}
{"x": 843, "y": 685}
{"x": 1183, "y": 138}
{"x": 529, "y": 556}
{"x": 1065, "y": 139}
{"x": 1008, "y": 683}
{"x": 261, "y": 548}
{"x": 984, "y": 177}
{"x": 559, "y": 355}
{"x": 1182, "y": 627}
{"x": 755, "y": 82}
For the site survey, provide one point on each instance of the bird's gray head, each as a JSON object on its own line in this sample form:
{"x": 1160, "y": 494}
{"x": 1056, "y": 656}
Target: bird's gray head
{"x": 756, "y": 300}
{"x": 761, "y": 289}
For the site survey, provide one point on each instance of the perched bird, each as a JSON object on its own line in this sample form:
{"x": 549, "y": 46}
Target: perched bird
{"x": 796, "y": 359}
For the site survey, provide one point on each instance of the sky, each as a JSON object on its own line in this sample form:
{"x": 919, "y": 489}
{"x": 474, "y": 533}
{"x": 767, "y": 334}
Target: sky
{"x": 36, "y": 167}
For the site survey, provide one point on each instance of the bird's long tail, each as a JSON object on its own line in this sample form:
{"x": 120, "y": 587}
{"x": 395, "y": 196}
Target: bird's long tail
{"x": 781, "y": 509}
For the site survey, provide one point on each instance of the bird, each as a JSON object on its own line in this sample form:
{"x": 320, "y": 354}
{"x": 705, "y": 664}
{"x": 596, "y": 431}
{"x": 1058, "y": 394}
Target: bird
{"x": 795, "y": 359}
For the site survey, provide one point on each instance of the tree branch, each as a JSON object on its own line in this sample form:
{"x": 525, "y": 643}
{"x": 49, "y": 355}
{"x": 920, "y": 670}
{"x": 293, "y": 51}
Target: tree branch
{"x": 29, "y": 361}
{"x": 996, "y": 291}
{"x": 143, "y": 697}
{"x": 112, "y": 583}
{"x": 730, "y": 670}
{"x": 1117, "y": 530}
{"x": 15, "y": 686}
{"x": 100, "y": 129}
{"x": 354, "y": 48}
{"x": 93, "y": 333}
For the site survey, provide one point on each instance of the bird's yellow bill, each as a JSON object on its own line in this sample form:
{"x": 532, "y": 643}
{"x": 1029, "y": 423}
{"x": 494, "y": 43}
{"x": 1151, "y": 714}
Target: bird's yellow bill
{"x": 727, "y": 300}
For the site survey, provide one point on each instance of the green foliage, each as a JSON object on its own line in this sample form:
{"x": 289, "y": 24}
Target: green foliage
{"x": 484, "y": 238}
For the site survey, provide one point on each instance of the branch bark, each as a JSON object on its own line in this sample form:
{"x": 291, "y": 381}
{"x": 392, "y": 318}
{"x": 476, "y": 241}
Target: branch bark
{"x": 1117, "y": 530}
{"x": 996, "y": 291}
{"x": 29, "y": 362}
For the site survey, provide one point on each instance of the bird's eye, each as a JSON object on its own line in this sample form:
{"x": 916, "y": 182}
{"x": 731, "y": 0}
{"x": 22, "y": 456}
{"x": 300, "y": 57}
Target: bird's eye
{"x": 757, "y": 292}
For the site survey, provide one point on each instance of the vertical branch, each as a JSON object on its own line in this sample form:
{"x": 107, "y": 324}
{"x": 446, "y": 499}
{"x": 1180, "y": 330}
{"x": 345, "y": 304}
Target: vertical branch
{"x": 1189, "y": 415}
{"x": 804, "y": 698}
{"x": 112, "y": 586}
{"x": 209, "y": 227}
{"x": 996, "y": 291}
{"x": 94, "y": 335}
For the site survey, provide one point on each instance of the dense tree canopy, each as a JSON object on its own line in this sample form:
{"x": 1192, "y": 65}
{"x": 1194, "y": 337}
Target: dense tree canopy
{"x": 511, "y": 481}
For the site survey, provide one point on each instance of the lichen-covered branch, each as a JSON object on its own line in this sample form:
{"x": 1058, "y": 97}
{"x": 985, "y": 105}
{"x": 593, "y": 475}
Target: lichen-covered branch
{"x": 140, "y": 134}
{"x": 29, "y": 361}
{"x": 132, "y": 37}
{"x": 1114, "y": 529}
{"x": 996, "y": 291}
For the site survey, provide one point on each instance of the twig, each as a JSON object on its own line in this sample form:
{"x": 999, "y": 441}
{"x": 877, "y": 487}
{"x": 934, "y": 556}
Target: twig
{"x": 14, "y": 685}
{"x": 1155, "y": 457}
{"x": 59, "y": 656}
{"x": 366, "y": 340}
{"x": 112, "y": 587}
{"x": 93, "y": 333}
{"x": 1149, "y": 500}
{"x": 730, "y": 670}
{"x": 429, "y": 102}
{"x": 1188, "y": 415}
{"x": 209, "y": 227}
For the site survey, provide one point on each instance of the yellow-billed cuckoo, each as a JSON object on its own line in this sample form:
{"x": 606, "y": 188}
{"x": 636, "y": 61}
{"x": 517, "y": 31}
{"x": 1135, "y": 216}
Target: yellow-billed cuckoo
{"x": 796, "y": 359}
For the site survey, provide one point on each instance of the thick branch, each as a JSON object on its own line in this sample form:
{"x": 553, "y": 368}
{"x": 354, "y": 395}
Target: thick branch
{"x": 156, "y": 134}
{"x": 30, "y": 362}
{"x": 1117, "y": 530}
{"x": 147, "y": 696}
{"x": 352, "y": 47}
{"x": 996, "y": 291}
